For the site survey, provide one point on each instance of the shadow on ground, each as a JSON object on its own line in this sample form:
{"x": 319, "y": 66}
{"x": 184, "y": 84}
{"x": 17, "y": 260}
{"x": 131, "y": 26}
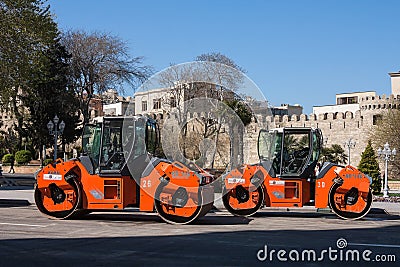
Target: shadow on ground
{"x": 236, "y": 248}
{"x": 9, "y": 203}
{"x": 210, "y": 219}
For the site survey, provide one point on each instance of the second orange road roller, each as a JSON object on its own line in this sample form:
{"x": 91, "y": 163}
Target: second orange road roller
{"x": 287, "y": 176}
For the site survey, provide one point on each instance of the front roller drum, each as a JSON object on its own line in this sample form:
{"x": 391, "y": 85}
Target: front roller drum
{"x": 177, "y": 206}
{"x": 59, "y": 202}
{"x": 243, "y": 201}
{"x": 349, "y": 204}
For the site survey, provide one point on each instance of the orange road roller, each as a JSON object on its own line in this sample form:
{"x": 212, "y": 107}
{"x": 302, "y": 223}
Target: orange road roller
{"x": 119, "y": 168}
{"x": 287, "y": 176}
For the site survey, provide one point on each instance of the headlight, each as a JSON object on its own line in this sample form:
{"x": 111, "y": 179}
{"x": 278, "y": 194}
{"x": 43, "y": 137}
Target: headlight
{"x": 36, "y": 173}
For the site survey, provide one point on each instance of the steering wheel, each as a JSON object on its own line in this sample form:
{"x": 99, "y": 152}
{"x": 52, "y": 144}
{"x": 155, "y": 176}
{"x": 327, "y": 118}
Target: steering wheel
{"x": 117, "y": 157}
{"x": 302, "y": 153}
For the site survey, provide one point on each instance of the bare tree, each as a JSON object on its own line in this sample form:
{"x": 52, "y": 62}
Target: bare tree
{"x": 177, "y": 79}
{"x": 388, "y": 130}
{"x": 99, "y": 62}
{"x": 227, "y": 80}
{"x": 215, "y": 77}
{"x": 219, "y": 58}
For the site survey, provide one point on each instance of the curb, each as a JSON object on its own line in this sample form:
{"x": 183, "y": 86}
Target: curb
{"x": 16, "y": 187}
{"x": 14, "y": 203}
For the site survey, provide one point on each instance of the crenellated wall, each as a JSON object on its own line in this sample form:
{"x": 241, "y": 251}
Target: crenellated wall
{"x": 337, "y": 128}
{"x": 380, "y": 102}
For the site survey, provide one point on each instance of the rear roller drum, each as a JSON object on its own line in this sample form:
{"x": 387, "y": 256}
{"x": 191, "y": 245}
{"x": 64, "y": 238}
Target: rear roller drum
{"x": 177, "y": 207}
{"x": 349, "y": 204}
{"x": 59, "y": 202}
{"x": 241, "y": 201}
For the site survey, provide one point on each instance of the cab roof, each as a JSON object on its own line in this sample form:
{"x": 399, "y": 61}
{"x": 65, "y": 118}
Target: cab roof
{"x": 292, "y": 129}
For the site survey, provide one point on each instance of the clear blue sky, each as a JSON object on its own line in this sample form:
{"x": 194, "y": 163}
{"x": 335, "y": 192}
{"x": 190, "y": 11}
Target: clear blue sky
{"x": 296, "y": 51}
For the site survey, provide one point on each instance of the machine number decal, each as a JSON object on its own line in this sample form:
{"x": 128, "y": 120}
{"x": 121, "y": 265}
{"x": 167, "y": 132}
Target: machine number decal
{"x": 353, "y": 175}
{"x": 236, "y": 181}
{"x": 321, "y": 184}
{"x": 180, "y": 174}
{"x": 275, "y": 182}
{"x": 146, "y": 183}
{"x": 52, "y": 177}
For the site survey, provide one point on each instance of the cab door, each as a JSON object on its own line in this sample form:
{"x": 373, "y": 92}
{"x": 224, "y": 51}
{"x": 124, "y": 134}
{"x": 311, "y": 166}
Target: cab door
{"x": 106, "y": 187}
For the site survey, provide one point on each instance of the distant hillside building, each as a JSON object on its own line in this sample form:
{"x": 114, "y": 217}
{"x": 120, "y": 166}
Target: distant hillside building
{"x": 287, "y": 109}
{"x": 115, "y": 105}
{"x": 345, "y": 102}
{"x": 395, "y": 79}
{"x": 95, "y": 107}
{"x": 153, "y": 101}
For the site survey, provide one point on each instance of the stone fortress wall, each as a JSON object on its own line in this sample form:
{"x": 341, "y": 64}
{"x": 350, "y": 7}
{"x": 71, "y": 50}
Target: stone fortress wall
{"x": 337, "y": 128}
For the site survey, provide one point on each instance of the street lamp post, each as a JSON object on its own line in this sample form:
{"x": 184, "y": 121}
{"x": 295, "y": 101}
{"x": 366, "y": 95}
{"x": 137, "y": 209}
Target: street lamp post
{"x": 55, "y": 129}
{"x": 350, "y": 144}
{"x": 387, "y": 155}
{"x": 24, "y": 141}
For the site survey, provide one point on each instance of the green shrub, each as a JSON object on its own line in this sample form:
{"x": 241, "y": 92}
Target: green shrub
{"x": 8, "y": 158}
{"x": 23, "y": 156}
{"x": 47, "y": 162}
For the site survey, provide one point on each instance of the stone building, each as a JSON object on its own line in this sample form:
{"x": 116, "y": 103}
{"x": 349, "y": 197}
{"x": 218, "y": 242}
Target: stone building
{"x": 287, "y": 109}
{"x": 115, "y": 105}
{"x": 153, "y": 102}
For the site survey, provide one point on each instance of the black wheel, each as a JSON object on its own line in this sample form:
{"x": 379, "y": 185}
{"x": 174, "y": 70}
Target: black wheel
{"x": 240, "y": 202}
{"x": 178, "y": 208}
{"x": 358, "y": 207}
{"x": 45, "y": 205}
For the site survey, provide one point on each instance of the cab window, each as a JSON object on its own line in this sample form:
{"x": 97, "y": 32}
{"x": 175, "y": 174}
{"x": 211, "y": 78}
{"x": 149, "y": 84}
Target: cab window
{"x": 296, "y": 150}
{"x": 91, "y": 142}
{"x": 112, "y": 156}
{"x": 151, "y": 137}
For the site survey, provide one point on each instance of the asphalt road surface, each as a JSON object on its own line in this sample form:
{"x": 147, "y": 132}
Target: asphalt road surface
{"x": 131, "y": 238}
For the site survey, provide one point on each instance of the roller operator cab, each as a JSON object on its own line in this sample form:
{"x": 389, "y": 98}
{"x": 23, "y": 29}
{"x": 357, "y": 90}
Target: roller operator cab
{"x": 119, "y": 168}
{"x": 288, "y": 175}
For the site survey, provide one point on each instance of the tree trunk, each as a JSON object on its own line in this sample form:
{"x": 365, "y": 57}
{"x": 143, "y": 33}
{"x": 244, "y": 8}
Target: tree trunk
{"x": 216, "y": 139}
{"x": 236, "y": 133}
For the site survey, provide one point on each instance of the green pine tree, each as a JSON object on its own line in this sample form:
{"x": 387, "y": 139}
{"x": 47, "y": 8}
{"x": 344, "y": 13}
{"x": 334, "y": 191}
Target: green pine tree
{"x": 370, "y": 166}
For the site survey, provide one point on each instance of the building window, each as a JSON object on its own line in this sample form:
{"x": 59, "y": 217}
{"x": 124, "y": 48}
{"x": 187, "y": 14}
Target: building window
{"x": 144, "y": 105}
{"x": 376, "y": 119}
{"x": 157, "y": 103}
{"x": 347, "y": 100}
{"x": 172, "y": 102}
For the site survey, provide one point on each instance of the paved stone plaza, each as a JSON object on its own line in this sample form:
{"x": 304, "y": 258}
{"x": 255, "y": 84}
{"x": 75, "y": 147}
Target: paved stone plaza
{"x": 131, "y": 238}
